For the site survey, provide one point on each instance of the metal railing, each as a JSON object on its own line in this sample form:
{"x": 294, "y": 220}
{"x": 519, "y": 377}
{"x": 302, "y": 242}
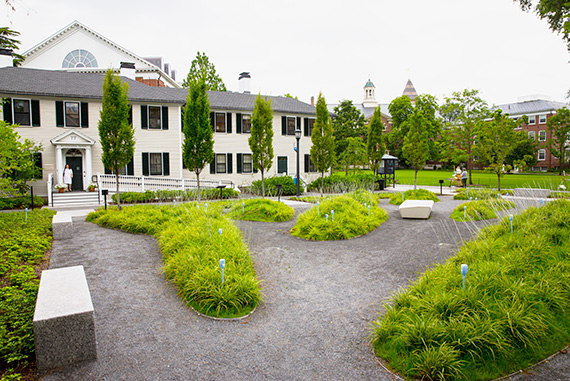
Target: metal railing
{"x": 143, "y": 183}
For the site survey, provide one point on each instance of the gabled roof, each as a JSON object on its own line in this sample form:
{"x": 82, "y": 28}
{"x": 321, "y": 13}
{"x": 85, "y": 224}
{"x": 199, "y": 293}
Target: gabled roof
{"x": 17, "y": 81}
{"x": 141, "y": 64}
{"x": 82, "y": 140}
{"x": 410, "y": 90}
{"x": 530, "y": 107}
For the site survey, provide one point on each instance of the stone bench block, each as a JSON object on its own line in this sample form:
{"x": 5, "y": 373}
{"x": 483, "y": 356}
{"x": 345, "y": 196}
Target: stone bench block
{"x": 416, "y": 208}
{"x": 64, "y": 322}
{"x": 62, "y": 226}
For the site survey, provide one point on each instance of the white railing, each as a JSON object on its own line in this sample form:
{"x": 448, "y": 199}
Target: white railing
{"x": 50, "y": 189}
{"x": 143, "y": 183}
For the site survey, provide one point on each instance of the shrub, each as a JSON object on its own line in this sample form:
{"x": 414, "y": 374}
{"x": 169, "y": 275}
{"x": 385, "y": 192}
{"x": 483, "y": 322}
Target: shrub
{"x": 338, "y": 182}
{"x": 480, "y": 193}
{"x": 21, "y": 202}
{"x": 22, "y": 249}
{"x": 564, "y": 195}
{"x": 512, "y": 312}
{"x": 413, "y": 194}
{"x": 261, "y": 210}
{"x": 192, "y": 247}
{"x": 289, "y": 186}
{"x": 167, "y": 195}
{"x": 348, "y": 216}
{"x": 480, "y": 210}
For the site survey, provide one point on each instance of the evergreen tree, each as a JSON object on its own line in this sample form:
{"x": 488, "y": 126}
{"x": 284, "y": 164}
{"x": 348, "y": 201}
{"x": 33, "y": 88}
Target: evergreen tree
{"x": 198, "y": 146}
{"x": 261, "y": 139}
{"x": 322, "y": 137}
{"x": 416, "y": 143}
{"x": 376, "y": 146}
{"x": 203, "y": 70}
{"x": 117, "y": 136}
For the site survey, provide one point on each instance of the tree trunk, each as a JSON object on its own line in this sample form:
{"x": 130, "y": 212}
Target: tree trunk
{"x": 346, "y": 169}
{"x": 416, "y": 180}
{"x": 117, "y": 193}
{"x": 263, "y": 183}
{"x": 198, "y": 184}
{"x": 469, "y": 169}
{"x": 373, "y": 178}
{"x": 499, "y": 182}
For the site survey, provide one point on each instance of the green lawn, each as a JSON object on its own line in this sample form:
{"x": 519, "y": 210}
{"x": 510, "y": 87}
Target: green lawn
{"x": 486, "y": 179}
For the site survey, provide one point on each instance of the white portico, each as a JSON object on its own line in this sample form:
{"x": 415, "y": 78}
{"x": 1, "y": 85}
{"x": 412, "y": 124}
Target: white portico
{"x": 76, "y": 148}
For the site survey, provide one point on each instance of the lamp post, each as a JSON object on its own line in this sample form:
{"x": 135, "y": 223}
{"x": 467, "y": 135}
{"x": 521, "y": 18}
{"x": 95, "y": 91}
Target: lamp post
{"x": 298, "y": 137}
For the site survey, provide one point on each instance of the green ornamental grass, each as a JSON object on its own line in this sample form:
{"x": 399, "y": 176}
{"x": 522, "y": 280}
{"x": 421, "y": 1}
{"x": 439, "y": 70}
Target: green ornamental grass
{"x": 512, "y": 313}
{"x": 480, "y": 209}
{"x": 413, "y": 194}
{"x": 351, "y": 217}
{"x": 480, "y": 193}
{"x": 261, "y": 210}
{"x": 192, "y": 246}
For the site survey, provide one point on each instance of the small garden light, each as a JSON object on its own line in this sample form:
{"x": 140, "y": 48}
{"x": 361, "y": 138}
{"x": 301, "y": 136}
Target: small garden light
{"x": 26, "y": 215}
{"x": 464, "y": 273}
{"x": 243, "y": 207}
{"x": 327, "y": 217}
{"x": 222, "y": 266}
{"x": 206, "y": 206}
{"x": 465, "y": 211}
{"x": 332, "y": 215}
{"x": 318, "y": 208}
{"x": 220, "y": 231}
{"x": 368, "y": 209}
{"x": 511, "y": 219}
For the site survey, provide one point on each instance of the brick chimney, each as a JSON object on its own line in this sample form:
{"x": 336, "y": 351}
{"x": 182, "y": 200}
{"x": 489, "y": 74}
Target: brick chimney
{"x": 312, "y": 101}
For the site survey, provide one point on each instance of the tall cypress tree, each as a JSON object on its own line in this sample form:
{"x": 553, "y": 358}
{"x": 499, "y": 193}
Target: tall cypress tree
{"x": 198, "y": 147}
{"x": 116, "y": 134}
{"x": 375, "y": 145}
{"x": 322, "y": 137}
{"x": 261, "y": 139}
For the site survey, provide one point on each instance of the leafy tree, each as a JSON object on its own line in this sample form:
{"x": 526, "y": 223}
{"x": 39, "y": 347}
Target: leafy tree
{"x": 348, "y": 122}
{"x": 462, "y": 113}
{"x": 416, "y": 143}
{"x": 524, "y": 153}
{"x": 290, "y": 96}
{"x": 198, "y": 146}
{"x": 375, "y": 145}
{"x": 556, "y": 13}
{"x": 496, "y": 140}
{"x": 322, "y": 137}
{"x": 261, "y": 138}
{"x": 559, "y": 127}
{"x": 7, "y": 41}
{"x": 203, "y": 70}
{"x": 117, "y": 136}
{"x": 17, "y": 165}
{"x": 354, "y": 154}
{"x": 400, "y": 109}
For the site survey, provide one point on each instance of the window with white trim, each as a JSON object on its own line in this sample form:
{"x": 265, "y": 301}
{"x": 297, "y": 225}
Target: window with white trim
{"x": 246, "y": 123}
{"x": 291, "y": 125}
{"x": 222, "y": 163}
{"x": 542, "y": 136}
{"x": 244, "y": 163}
{"x": 309, "y": 166}
{"x": 531, "y": 134}
{"x": 282, "y": 164}
{"x": 156, "y": 163}
{"x": 220, "y": 122}
{"x": 532, "y": 119}
{"x": 71, "y": 114}
{"x": 541, "y": 154}
{"x": 542, "y": 118}
{"x": 154, "y": 117}
{"x": 25, "y": 112}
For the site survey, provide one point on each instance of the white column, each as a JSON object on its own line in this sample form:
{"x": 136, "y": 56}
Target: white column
{"x": 88, "y": 167}
{"x": 58, "y": 165}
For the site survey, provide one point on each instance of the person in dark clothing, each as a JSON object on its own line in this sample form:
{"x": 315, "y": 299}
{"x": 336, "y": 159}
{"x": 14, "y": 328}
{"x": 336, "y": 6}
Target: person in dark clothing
{"x": 464, "y": 178}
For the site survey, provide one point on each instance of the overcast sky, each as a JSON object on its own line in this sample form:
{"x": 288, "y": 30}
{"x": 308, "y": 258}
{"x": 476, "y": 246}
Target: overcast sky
{"x": 306, "y": 47}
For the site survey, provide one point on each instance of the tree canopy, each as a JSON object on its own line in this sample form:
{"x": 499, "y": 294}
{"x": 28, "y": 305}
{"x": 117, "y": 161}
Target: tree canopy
{"x": 261, "y": 138}
{"x": 198, "y": 146}
{"x": 556, "y": 13}
{"x": 348, "y": 122}
{"x": 416, "y": 142}
{"x": 559, "y": 128}
{"x": 203, "y": 70}
{"x": 7, "y": 41}
{"x": 375, "y": 146}
{"x": 400, "y": 109}
{"x": 322, "y": 137}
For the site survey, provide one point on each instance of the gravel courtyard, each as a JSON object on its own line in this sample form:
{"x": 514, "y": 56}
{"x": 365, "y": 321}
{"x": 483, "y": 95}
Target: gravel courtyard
{"x": 315, "y": 322}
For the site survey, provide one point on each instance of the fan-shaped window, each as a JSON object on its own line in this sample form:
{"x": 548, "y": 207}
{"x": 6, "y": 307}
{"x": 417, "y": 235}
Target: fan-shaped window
{"x": 79, "y": 58}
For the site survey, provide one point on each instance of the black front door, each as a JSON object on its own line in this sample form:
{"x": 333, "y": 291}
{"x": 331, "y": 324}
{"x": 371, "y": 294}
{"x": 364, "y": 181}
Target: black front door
{"x": 76, "y": 165}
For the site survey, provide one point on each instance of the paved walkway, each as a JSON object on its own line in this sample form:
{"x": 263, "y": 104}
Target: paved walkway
{"x": 319, "y": 301}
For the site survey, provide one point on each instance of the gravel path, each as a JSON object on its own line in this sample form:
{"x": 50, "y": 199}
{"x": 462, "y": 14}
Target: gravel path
{"x": 319, "y": 301}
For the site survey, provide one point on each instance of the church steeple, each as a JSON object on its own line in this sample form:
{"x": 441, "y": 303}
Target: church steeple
{"x": 410, "y": 91}
{"x": 369, "y": 98}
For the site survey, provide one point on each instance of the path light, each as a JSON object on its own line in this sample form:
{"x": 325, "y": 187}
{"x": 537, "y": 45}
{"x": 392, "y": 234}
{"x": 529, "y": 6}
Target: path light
{"x": 298, "y": 137}
{"x": 441, "y": 187}
{"x": 222, "y": 266}
{"x": 243, "y": 207}
{"x": 475, "y": 199}
{"x": 332, "y": 215}
{"x": 464, "y": 273}
{"x": 198, "y": 206}
{"x": 174, "y": 202}
{"x": 541, "y": 202}
{"x": 327, "y": 217}
{"x": 26, "y": 215}
{"x": 206, "y": 206}
{"x": 511, "y": 218}
{"x": 470, "y": 198}
{"x": 465, "y": 211}
{"x": 402, "y": 196}
{"x": 220, "y": 231}
{"x": 368, "y": 209}
{"x": 318, "y": 208}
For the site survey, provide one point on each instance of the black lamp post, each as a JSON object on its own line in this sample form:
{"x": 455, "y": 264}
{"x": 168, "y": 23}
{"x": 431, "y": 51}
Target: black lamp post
{"x": 298, "y": 137}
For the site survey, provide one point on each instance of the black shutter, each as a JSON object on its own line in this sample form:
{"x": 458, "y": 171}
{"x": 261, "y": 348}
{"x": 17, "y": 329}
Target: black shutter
{"x": 7, "y": 109}
{"x": 213, "y": 166}
{"x": 229, "y": 122}
{"x": 213, "y": 121}
{"x": 144, "y": 117}
{"x": 84, "y": 114}
{"x": 238, "y": 123}
{"x": 306, "y": 128}
{"x": 35, "y": 113}
{"x": 38, "y": 175}
{"x": 131, "y": 167}
{"x": 306, "y": 163}
{"x": 165, "y": 164}
{"x": 130, "y": 115}
{"x": 283, "y": 125}
{"x": 239, "y": 163}
{"x": 230, "y": 164}
{"x": 165, "y": 117}
{"x": 59, "y": 122}
{"x": 298, "y": 126}
{"x": 145, "y": 165}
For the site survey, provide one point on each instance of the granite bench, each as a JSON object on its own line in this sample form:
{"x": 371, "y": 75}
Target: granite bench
{"x": 64, "y": 322}
{"x": 62, "y": 226}
{"x": 416, "y": 209}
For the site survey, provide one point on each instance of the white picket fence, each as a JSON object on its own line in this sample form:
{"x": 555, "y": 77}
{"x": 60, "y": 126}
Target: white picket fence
{"x": 143, "y": 183}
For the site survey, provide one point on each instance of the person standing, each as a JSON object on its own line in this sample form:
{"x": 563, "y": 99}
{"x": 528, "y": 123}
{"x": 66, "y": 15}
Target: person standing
{"x": 67, "y": 177}
{"x": 464, "y": 178}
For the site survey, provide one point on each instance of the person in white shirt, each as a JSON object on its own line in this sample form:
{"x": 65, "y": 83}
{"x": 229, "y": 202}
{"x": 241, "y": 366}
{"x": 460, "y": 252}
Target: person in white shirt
{"x": 67, "y": 177}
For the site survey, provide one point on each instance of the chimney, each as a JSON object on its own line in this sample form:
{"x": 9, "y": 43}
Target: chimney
{"x": 127, "y": 70}
{"x": 6, "y": 58}
{"x": 244, "y": 82}
{"x": 312, "y": 101}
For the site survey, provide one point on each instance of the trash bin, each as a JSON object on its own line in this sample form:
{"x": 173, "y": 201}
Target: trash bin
{"x": 381, "y": 184}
